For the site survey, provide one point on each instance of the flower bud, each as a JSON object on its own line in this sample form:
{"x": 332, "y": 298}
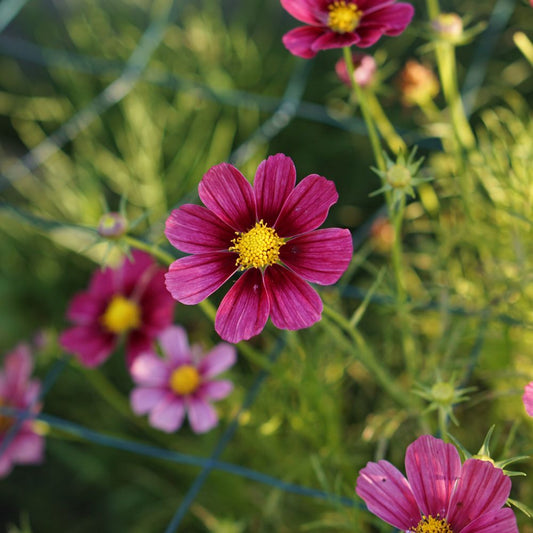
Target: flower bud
{"x": 364, "y": 70}
{"x": 418, "y": 84}
{"x": 112, "y": 225}
{"x": 448, "y": 26}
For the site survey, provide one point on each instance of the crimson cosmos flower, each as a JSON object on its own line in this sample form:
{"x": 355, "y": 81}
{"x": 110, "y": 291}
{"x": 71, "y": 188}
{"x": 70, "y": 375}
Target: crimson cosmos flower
{"x": 268, "y": 232}
{"x": 340, "y": 23}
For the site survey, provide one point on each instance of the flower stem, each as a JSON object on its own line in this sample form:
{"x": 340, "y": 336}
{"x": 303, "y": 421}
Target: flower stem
{"x": 150, "y": 248}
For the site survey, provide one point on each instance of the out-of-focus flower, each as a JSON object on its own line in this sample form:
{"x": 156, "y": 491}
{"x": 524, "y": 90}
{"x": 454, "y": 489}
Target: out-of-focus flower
{"x": 382, "y": 235}
{"x": 448, "y": 27}
{"x": 181, "y": 382}
{"x": 268, "y": 232}
{"x": 528, "y": 397}
{"x": 129, "y": 301}
{"x": 364, "y": 70}
{"x": 112, "y": 225}
{"x": 340, "y": 23}
{"x": 439, "y": 495}
{"x": 18, "y": 391}
{"x": 418, "y": 84}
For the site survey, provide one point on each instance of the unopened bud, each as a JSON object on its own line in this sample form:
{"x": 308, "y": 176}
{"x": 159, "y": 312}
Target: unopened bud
{"x": 448, "y": 26}
{"x": 112, "y": 225}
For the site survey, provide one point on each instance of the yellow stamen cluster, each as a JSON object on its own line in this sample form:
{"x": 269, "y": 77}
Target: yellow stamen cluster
{"x": 5, "y": 421}
{"x": 431, "y": 524}
{"x": 184, "y": 380}
{"x": 121, "y": 315}
{"x": 257, "y": 248}
{"x": 343, "y": 16}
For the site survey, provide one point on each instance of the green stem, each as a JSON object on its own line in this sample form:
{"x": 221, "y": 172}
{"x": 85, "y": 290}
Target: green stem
{"x": 443, "y": 424}
{"x": 152, "y": 249}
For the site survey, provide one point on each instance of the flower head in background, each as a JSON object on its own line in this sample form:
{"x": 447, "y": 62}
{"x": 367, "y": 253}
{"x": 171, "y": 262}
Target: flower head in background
{"x": 180, "y": 383}
{"x": 18, "y": 391}
{"x": 340, "y": 23}
{"x": 267, "y": 232}
{"x": 439, "y": 495}
{"x": 418, "y": 84}
{"x": 129, "y": 301}
{"x": 364, "y": 70}
{"x": 528, "y": 397}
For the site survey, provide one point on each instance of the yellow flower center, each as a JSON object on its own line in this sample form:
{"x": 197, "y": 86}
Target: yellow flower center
{"x": 257, "y": 248}
{"x": 430, "y": 524}
{"x": 121, "y": 315}
{"x": 343, "y": 16}
{"x": 184, "y": 380}
{"x": 5, "y": 421}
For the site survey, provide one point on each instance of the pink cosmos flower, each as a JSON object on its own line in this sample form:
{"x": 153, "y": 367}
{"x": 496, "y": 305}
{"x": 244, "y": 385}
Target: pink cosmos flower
{"x": 340, "y": 23}
{"x": 528, "y": 397}
{"x": 130, "y": 301}
{"x": 18, "y": 391}
{"x": 268, "y": 232}
{"x": 180, "y": 383}
{"x": 439, "y": 494}
{"x": 364, "y": 70}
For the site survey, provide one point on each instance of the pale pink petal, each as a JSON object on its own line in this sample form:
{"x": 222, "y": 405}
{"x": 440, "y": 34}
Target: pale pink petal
{"x": 149, "y": 370}
{"x": 18, "y": 366}
{"x": 195, "y": 229}
{"x": 28, "y": 447}
{"x": 433, "y": 468}
{"x": 244, "y": 310}
{"x": 387, "y": 494}
{"x": 274, "y": 181}
{"x": 192, "y": 279}
{"x": 202, "y": 416}
{"x": 307, "y": 206}
{"x": 227, "y": 193}
{"x": 300, "y": 40}
{"x": 175, "y": 346}
{"x": 216, "y": 390}
{"x": 294, "y": 304}
{"x": 6, "y": 464}
{"x": 143, "y": 400}
{"x": 482, "y": 488}
{"x": 528, "y": 398}
{"x": 331, "y": 39}
{"x": 321, "y": 256}
{"x": 168, "y": 414}
{"x": 308, "y": 11}
{"x": 91, "y": 345}
{"x": 219, "y": 359}
{"x": 85, "y": 308}
{"x": 501, "y": 521}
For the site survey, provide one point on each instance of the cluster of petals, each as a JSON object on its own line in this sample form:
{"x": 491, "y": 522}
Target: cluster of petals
{"x": 528, "y": 398}
{"x": 340, "y": 23}
{"x": 166, "y": 405}
{"x": 364, "y": 70}
{"x": 279, "y": 290}
{"x": 139, "y": 283}
{"x": 18, "y": 391}
{"x": 439, "y": 493}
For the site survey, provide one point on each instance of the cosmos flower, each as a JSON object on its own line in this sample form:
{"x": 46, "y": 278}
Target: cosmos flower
{"x": 129, "y": 301}
{"x": 439, "y": 495}
{"x": 340, "y": 23}
{"x": 364, "y": 70}
{"x": 18, "y": 391}
{"x": 267, "y": 232}
{"x": 181, "y": 382}
{"x": 528, "y": 398}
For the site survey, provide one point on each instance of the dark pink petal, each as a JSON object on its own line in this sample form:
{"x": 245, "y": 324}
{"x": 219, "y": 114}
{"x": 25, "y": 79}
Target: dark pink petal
{"x": 294, "y": 304}
{"x": 6, "y": 463}
{"x": 244, "y": 310}
{"x": 143, "y": 400}
{"x": 102, "y": 284}
{"x": 433, "y": 468}
{"x": 308, "y": 11}
{"x": 499, "y": 521}
{"x": 192, "y": 279}
{"x": 321, "y": 256}
{"x": 219, "y": 359}
{"x": 300, "y": 40}
{"x": 138, "y": 343}
{"x": 307, "y": 206}
{"x": 395, "y": 18}
{"x": 388, "y": 495}
{"x": 149, "y": 370}
{"x": 91, "y": 345}
{"x": 369, "y": 6}
{"x": 369, "y": 35}
{"x": 133, "y": 269}
{"x": 274, "y": 181}
{"x": 216, "y": 390}
{"x": 18, "y": 366}
{"x": 481, "y": 489}
{"x": 332, "y": 39}
{"x": 195, "y": 229}
{"x": 28, "y": 448}
{"x": 175, "y": 346}
{"x": 528, "y": 398}
{"x": 202, "y": 416}
{"x": 85, "y": 308}
{"x": 227, "y": 193}
{"x": 168, "y": 414}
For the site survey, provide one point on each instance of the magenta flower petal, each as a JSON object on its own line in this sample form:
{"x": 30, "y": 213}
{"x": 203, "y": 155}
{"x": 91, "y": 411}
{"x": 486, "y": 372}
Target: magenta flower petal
{"x": 174, "y": 343}
{"x": 168, "y": 414}
{"x": 227, "y": 193}
{"x": 388, "y": 495}
{"x": 331, "y": 39}
{"x": 244, "y": 311}
{"x": 482, "y": 488}
{"x": 218, "y": 360}
{"x": 308, "y": 11}
{"x": 18, "y": 366}
{"x": 149, "y": 370}
{"x": 307, "y": 206}
{"x": 202, "y": 416}
{"x": 193, "y": 278}
{"x": 294, "y": 304}
{"x": 216, "y": 390}
{"x": 395, "y": 18}
{"x": 28, "y": 448}
{"x": 321, "y": 256}
{"x": 137, "y": 343}
{"x": 499, "y": 521}
{"x": 195, "y": 229}
{"x": 84, "y": 307}
{"x": 274, "y": 181}
{"x": 88, "y": 343}
{"x": 432, "y": 468}
{"x": 528, "y": 398}
{"x": 299, "y": 41}
{"x": 143, "y": 400}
